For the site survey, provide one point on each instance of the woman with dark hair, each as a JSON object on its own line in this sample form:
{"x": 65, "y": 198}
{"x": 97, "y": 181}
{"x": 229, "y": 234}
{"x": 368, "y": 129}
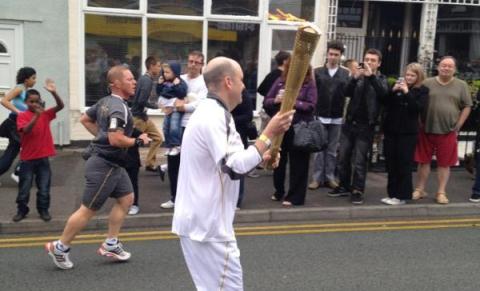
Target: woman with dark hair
{"x": 14, "y": 101}
{"x": 299, "y": 161}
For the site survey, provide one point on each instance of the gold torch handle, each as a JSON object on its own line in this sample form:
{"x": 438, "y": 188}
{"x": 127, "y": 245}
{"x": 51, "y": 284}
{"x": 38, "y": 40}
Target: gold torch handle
{"x": 306, "y": 41}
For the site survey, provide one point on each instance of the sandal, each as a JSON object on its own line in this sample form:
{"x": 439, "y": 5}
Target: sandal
{"x": 419, "y": 194}
{"x": 442, "y": 198}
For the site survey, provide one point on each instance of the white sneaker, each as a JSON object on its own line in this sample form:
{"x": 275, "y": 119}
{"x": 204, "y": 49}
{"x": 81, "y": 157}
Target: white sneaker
{"x": 174, "y": 151}
{"x": 395, "y": 201}
{"x": 60, "y": 259}
{"x": 167, "y": 152}
{"x": 168, "y": 205}
{"x": 117, "y": 252}
{"x": 15, "y": 178}
{"x": 164, "y": 167}
{"x": 386, "y": 200}
{"x": 134, "y": 209}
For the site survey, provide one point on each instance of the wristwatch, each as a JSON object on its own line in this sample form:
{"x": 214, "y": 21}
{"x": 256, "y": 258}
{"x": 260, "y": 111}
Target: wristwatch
{"x": 263, "y": 138}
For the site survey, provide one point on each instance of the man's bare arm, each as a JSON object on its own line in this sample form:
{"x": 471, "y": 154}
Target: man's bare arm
{"x": 89, "y": 124}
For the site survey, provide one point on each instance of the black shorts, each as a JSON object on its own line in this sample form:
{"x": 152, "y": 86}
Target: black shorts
{"x": 103, "y": 180}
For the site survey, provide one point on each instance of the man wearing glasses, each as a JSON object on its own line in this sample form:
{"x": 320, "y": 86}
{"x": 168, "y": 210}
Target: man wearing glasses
{"x": 197, "y": 91}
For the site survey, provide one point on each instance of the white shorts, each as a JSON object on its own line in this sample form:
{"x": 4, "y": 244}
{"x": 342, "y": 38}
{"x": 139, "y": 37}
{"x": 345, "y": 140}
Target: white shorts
{"x": 213, "y": 265}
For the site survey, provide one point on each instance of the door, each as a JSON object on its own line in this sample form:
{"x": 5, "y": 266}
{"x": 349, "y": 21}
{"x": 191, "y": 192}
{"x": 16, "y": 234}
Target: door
{"x": 279, "y": 37}
{"x": 11, "y": 58}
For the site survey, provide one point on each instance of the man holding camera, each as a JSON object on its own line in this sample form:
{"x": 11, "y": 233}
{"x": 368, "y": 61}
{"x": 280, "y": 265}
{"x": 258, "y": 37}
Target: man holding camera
{"x": 366, "y": 89}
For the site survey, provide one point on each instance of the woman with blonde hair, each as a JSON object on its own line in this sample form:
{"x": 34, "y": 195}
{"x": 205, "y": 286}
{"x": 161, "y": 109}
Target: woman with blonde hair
{"x": 404, "y": 107}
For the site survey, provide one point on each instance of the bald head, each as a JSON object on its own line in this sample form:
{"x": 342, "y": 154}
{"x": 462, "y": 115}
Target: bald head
{"x": 217, "y": 69}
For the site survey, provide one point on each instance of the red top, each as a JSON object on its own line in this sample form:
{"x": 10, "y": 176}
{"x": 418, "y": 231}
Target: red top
{"x": 38, "y": 143}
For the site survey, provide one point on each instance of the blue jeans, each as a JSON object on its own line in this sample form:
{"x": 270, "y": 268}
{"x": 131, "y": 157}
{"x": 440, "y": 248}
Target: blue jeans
{"x": 172, "y": 129}
{"x": 40, "y": 169}
{"x": 326, "y": 160}
{"x": 355, "y": 144}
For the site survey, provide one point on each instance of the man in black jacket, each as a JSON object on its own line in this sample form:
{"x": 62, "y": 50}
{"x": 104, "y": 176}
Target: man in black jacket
{"x": 366, "y": 89}
{"x": 331, "y": 82}
{"x": 145, "y": 88}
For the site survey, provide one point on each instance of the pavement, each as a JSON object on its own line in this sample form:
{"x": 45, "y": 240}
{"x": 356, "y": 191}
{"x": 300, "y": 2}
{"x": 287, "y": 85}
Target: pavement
{"x": 67, "y": 188}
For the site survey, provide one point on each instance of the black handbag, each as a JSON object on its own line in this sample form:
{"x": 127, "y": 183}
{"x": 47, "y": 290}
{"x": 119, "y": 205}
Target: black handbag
{"x": 309, "y": 136}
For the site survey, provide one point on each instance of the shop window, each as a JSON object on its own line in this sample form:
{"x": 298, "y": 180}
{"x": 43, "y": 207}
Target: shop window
{"x": 458, "y": 35}
{"x": 238, "y": 41}
{"x": 176, "y": 7}
{"x": 350, "y": 13}
{"x": 282, "y": 40}
{"x": 3, "y": 49}
{"x": 173, "y": 39}
{"x": 109, "y": 41}
{"x": 235, "y": 7}
{"x": 124, "y": 4}
{"x": 292, "y": 10}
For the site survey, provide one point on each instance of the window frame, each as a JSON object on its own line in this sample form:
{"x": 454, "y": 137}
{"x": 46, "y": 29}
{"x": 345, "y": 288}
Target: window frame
{"x": 261, "y": 19}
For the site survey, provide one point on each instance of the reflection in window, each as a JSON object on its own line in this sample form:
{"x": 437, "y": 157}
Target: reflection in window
{"x": 458, "y": 36}
{"x": 238, "y": 41}
{"x": 176, "y": 7}
{"x": 3, "y": 49}
{"x": 282, "y": 40}
{"x": 235, "y": 7}
{"x": 173, "y": 39}
{"x": 291, "y": 10}
{"x": 350, "y": 13}
{"x": 125, "y": 4}
{"x": 109, "y": 41}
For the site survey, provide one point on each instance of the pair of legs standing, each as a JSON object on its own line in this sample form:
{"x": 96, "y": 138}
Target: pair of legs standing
{"x": 355, "y": 144}
{"x": 326, "y": 161}
{"x": 38, "y": 170}
{"x": 444, "y": 146}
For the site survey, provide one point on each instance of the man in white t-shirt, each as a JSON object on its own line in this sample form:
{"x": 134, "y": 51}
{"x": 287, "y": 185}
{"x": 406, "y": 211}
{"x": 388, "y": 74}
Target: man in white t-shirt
{"x": 213, "y": 159}
{"x": 197, "y": 91}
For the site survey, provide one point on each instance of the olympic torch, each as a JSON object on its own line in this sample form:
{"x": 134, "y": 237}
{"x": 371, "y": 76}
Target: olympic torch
{"x": 306, "y": 41}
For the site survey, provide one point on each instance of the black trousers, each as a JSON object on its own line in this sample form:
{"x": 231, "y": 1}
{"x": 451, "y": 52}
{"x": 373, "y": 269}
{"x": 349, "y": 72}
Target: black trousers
{"x": 173, "y": 169}
{"x": 173, "y": 163}
{"x": 298, "y": 174}
{"x": 399, "y": 150}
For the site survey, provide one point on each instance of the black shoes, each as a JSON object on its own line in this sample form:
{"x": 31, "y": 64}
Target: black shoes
{"x": 158, "y": 170}
{"x": 19, "y": 216}
{"x": 161, "y": 173}
{"x": 338, "y": 192}
{"x": 475, "y": 198}
{"x": 45, "y": 216}
{"x": 356, "y": 197}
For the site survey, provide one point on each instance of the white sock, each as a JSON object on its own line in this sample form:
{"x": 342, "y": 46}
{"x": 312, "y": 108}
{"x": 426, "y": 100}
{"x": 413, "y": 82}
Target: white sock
{"x": 62, "y": 247}
{"x": 111, "y": 241}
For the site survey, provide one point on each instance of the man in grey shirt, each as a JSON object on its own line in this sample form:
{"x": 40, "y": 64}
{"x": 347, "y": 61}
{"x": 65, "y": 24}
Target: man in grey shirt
{"x": 110, "y": 121}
